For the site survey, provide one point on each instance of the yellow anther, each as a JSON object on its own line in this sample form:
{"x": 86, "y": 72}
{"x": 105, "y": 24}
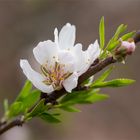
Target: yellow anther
{"x": 55, "y": 75}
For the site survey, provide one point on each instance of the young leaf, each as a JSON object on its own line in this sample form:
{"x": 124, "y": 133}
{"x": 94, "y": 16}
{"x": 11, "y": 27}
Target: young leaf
{"x": 69, "y": 109}
{"x": 96, "y": 97}
{"x": 82, "y": 97}
{"x": 30, "y": 100}
{"x": 119, "y": 30}
{"x": 114, "y": 40}
{"x": 21, "y": 105}
{"x": 114, "y": 83}
{"x": 128, "y": 35}
{"x": 15, "y": 109}
{"x": 49, "y": 118}
{"x": 38, "y": 109}
{"x": 103, "y": 76}
{"x": 124, "y": 37}
{"x": 25, "y": 90}
{"x": 102, "y": 33}
{"x": 73, "y": 96}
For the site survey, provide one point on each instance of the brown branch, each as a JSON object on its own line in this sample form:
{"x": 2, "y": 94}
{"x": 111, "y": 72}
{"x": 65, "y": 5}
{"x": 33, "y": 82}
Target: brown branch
{"x": 95, "y": 68}
{"x": 16, "y": 122}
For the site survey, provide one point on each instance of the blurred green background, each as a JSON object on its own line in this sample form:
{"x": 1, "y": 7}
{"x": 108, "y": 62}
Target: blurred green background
{"x": 23, "y": 23}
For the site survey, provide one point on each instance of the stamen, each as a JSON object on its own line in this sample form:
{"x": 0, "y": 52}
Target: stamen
{"x": 44, "y": 70}
{"x": 55, "y": 75}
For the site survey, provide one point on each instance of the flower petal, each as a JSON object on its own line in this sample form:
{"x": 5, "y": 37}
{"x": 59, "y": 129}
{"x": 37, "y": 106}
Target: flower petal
{"x": 67, "y": 36}
{"x": 68, "y": 60}
{"x": 94, "y": 51}
{"x": 82, "y": 59}
{"x": 46, "y": 52}
{"x": 71, "y": 82}
{"x": 35, "y": 77}
{"x": 56, "y": 36}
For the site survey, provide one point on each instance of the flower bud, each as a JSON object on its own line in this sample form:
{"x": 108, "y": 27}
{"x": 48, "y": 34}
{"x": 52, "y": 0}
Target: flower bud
{"x": 125, "y": 48}
{"x": 129, "y": 46}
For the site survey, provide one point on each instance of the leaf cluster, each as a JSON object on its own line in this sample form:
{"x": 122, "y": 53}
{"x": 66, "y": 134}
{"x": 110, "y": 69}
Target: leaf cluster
{"x": 115, "y": 40}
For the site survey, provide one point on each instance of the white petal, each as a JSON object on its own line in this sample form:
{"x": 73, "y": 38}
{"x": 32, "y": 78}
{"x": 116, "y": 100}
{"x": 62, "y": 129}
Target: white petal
{"x": 46, "y": 52}
{"x": 35, "y": 77}
{"x": 67, "y": 36}
{"x": 56, "y": 36}
{"x": 90, "y": 55}
{"x": 86, "y": 64}
{"x": 82, "y": 59}
{"x": 71, "y": 82}
{"x": 94, "y": 51}
{"x": 67, "y": 58}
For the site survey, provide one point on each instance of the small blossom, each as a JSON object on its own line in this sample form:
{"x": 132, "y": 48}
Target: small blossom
{"x": 61, "y": 62}
{"x": 125, "y": 48}
{"x": 129, "y": 45}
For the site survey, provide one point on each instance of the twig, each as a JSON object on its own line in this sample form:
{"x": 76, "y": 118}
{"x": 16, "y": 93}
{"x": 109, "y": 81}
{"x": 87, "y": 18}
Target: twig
{"x": 16, "y": 122}
{"x": 2, "y": 123}
{"x": 95, "y": 68}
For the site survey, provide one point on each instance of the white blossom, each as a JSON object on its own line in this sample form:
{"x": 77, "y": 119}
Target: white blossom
{"x": 61, "y": 62}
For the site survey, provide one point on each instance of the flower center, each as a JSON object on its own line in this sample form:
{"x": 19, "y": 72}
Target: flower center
{"x": 55, "y": 75}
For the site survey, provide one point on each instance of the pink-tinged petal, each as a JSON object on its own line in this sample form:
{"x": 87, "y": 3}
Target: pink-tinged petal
{"x": 67, "y": 36}
{"x": 130, "y": 46}
{"x": 71, "y": 82}
{"x": 35, "y": 77}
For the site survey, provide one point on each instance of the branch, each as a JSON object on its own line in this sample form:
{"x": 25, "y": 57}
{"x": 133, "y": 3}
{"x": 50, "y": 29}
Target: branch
{"x": 16, "y": 122}
{"x": 95, "y": 68}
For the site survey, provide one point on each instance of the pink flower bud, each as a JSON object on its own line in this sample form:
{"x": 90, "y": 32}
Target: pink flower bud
{"x": 130, "y": 46}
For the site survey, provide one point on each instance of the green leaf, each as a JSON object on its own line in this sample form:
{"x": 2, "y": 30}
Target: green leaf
{"x": 25, "y": 90}
{"x": 104, "y": 75}
{"x": 128, "y": 35}
{"x": 119, "y": 30}
{"x": 82, "y": 97}
{"x": 124, "y": 37}
{"x": 102, "y": 33}
{"x": 73, "y": 96}
{"x": 114, "y": 83}
{"x": 96, "y": 97}
{"x": 15, "y": 109}
{"x": 114, "y": 40}
{"x": 30, "y": 100}
{"x": 69, "y": 109}
{"x": 23, "y": 104}
{"x": 49, "y": 118}
{"x": 38, "y": 109}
